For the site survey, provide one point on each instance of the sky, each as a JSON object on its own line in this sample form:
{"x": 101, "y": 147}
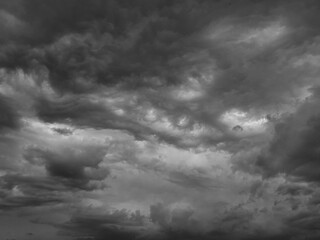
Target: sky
{"x": 159, "y": 119}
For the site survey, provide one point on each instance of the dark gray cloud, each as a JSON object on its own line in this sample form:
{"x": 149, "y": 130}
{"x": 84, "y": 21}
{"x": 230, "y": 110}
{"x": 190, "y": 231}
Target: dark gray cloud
{"x": 107, "y": 41}
{"x": 157, "y": 53}
{"x": 147, "y": 45}
{"x": 26, "y": 191}
{"x": 74, "y": 168}
{"x": 63, "y": 131}
{"x": 192, "y": 180}
{"x": 120, "y": 224}
{"x": 180, "y": 223}
{"x": 293, "y": 189}
{"x": 9, "y": 117}
{"x": 294, "y": 148}
{"x": 231, "y": 86}
{"x": 176, "y": 218}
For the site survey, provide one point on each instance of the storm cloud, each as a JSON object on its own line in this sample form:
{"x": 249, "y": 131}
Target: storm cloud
{"x": 156, "y": 119}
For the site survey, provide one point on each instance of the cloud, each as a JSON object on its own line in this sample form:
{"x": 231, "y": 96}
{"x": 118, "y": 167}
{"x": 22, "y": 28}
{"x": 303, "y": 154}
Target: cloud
{"x": 117, "y": 224}
{"x": 26, "y": 191}
{"x": 292, "y": 189}
{"x": 82, "y": 62}
{"x": 202, "y": 114}
{"x": 63, "y": 131}
{"x": 75, "y": 167}
{"x": 177, "y": 218}
{"x": 153, "y": 54}
{"x": 9, "y": 118}
{"x": 306, "y": 223}
{"x": 293, "y": 149}
{"x": 11, "y": 26}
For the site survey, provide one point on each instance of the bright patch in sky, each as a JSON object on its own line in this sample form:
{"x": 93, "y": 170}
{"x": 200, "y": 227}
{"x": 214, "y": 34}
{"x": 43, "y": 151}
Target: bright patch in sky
{"x": 248, "y": 123}
{"x": 264, "y": 35}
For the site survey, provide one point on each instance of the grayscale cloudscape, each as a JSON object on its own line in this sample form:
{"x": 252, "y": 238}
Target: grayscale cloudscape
{"x": 159, "y": 120}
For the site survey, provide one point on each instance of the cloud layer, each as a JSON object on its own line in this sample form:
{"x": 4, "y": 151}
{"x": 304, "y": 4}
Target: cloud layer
{"x": 159, "y": 119}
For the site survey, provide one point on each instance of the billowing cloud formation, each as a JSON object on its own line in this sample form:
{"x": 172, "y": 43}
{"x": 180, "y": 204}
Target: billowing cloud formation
{"x": 155, "y": 119}
{"x": 73, "y": 165}
{"x": 294, "y": 149}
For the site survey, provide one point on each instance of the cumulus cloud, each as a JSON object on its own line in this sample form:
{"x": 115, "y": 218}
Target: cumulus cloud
{"x": 72, "y": 167}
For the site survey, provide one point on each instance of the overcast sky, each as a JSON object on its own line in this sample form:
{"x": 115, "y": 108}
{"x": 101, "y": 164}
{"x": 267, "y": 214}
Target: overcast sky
{"x": 159, "y": 119}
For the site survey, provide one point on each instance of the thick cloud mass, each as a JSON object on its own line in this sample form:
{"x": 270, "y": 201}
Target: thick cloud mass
{"x": 9, "y": 118}
{"x": 156, "y": 119}
{"x": 295, "y": 147}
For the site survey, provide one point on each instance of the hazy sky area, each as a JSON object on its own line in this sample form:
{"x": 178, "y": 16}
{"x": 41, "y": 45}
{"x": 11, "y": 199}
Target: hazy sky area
{"x": 159, "y": 119}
